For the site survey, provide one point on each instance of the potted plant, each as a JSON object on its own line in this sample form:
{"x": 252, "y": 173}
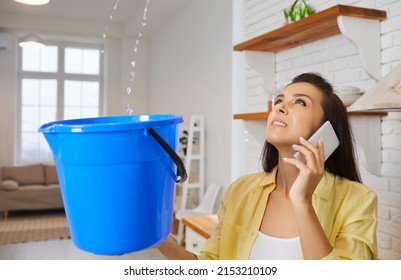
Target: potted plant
{"x": 298, "y": 11}
{"x": 184, "y": 141}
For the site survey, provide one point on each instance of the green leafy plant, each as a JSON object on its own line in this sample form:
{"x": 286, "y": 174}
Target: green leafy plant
{"x": 297, "y": 11}
{"x": 184, "y": 141}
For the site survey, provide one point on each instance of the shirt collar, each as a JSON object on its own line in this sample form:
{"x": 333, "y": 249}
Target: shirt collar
{"x": 268, "y": 178}
{"x": 323, "y": 189}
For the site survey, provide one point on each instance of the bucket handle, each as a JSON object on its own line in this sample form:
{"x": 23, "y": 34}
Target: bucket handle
{"x": 181, "y": 172}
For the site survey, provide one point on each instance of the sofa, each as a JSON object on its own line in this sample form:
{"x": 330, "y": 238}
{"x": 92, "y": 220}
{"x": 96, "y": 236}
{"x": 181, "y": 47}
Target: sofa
{"x": 29, "y": 187}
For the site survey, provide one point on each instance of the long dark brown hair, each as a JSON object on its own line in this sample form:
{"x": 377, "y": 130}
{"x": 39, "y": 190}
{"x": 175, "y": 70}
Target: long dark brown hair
{"x": 342, "y": 162}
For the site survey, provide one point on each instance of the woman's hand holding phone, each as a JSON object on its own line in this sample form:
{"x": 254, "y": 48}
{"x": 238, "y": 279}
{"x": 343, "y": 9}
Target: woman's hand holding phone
{"x": 313, "y": 240}
{"x": 311, "y": 155}
{"x": 310, "y": 172}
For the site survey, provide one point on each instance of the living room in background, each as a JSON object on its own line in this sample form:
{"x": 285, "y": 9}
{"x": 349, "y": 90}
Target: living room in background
{"x": 56, "y": 82}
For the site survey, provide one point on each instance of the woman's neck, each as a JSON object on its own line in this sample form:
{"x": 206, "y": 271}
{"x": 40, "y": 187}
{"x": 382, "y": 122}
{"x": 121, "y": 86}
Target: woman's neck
{"x": 286, "y": 175}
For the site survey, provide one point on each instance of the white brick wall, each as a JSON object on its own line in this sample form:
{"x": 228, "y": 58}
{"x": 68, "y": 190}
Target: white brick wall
{"x": 338, "y": 60}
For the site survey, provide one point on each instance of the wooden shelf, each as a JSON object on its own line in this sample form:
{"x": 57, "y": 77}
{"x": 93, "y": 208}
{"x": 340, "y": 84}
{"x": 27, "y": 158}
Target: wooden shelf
{"x": 264, "y": 115}
{"x": 252, "y": 116}
{"x": 317, "y": 26}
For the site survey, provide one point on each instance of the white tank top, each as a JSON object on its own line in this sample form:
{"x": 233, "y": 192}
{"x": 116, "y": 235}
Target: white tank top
{"x": 275, "y": 248}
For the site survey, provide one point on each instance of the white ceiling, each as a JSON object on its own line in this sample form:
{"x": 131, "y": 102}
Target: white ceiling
{"x": 128, "y": 13}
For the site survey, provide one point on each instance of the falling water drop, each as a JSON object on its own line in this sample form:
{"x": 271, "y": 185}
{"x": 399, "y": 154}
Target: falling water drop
{"x": 136, "y": 47}
{"x": 116, "y": 4}
{"x": 130, "y": 88}
{"x": 129, "y": 110}
{"x": 111, "y": 18}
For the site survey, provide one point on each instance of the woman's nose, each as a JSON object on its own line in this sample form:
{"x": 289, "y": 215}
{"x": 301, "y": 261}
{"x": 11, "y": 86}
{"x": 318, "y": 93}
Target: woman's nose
{"x": 281, "y": 108}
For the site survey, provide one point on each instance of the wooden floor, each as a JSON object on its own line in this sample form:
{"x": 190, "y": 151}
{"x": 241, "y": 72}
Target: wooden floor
{"x": 63, "y": 249}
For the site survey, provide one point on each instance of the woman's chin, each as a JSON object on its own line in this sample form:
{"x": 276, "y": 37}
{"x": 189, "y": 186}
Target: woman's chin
{"x": 279, "y": 141}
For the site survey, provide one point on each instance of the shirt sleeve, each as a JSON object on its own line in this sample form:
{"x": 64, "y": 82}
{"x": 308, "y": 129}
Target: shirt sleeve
{"x": 357, "y": 238}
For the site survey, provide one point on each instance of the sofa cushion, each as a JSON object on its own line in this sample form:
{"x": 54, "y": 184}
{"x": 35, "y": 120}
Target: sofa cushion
{"x": 51, "y": 177}
{"x": 8, "y": 185}
{"x": 25, "y": 175}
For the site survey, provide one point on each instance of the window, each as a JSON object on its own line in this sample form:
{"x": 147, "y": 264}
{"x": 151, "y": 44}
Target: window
{"x": 59, "y": 81}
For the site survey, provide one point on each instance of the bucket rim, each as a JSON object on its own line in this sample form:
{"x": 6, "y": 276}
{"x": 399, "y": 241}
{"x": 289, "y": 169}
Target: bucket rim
{"x": 110, "y": 123}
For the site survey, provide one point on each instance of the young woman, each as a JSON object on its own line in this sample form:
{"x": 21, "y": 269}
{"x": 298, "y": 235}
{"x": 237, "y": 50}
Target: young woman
{"x": 296, "y": 209}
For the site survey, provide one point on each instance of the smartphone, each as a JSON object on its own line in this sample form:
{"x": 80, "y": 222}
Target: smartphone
{"x": 330, "y": 140}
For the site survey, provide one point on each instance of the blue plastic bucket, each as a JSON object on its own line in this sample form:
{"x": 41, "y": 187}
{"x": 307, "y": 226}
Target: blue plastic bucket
{"x": 117, "y": 179}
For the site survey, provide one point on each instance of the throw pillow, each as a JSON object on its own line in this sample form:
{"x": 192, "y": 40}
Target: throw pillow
{"x": 25, "y": 175}
{"x": 9, "y": 185}
{"x": 51, "y": 177}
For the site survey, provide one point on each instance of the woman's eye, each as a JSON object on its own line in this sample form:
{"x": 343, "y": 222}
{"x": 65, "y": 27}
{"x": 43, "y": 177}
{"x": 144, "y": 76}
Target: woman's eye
{"x": 300, "y": 101}
{"x": 277, "y": 101}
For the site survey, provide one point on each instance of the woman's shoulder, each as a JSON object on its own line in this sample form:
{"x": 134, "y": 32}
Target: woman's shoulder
{"x": 356, "y": 188}
{"x": 252, "y": 178}
{"x": 251, "y": 181}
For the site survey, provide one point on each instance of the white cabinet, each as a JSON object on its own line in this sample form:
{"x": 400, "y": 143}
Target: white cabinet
{"x": 197, "y": 230}
{"x": 193, "y": 241}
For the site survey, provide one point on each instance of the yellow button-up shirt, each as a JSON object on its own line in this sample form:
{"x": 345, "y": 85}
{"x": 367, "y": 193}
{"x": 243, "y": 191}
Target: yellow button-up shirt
{"x": 347, "y": 211}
